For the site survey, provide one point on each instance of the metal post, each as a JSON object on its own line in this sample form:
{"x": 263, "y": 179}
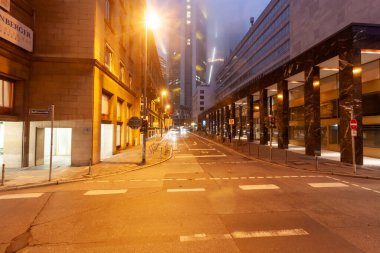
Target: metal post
{"x": 143, "y": 159}
{"x": 90, "y": 167}
{"x": 3, "y": 175}
{"x": 316, "y": 162}
{"x": 353, "y": 144}
{"x": 51, "y": 140}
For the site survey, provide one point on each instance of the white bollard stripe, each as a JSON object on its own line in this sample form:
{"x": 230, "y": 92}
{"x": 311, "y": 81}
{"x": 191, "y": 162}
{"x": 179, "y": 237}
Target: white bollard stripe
{"x": 104, "y": 192}
{"x": 259, "y": 187}
{"x": 21, "y": 196}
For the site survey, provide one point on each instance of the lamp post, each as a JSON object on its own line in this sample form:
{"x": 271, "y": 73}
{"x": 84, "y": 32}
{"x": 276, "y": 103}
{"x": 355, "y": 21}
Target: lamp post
{"x": 151, "y": 21}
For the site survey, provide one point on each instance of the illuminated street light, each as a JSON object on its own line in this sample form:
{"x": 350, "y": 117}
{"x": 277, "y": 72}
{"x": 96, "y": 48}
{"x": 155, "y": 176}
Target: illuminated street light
{"x": 151, "y": 22}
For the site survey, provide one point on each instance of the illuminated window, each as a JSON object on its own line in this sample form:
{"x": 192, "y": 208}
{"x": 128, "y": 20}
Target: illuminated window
{"x": 108, "y": 58}
{"x": 118, "y": 110}
{"x": 130, "y": 81}
{"x": 6, "y": 96}
{"x": 118, "y": 135}
{"x": 105, "y": 104}
{"x": 122, "y": 72}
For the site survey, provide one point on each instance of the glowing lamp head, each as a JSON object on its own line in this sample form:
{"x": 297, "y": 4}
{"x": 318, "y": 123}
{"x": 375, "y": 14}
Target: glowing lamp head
{"x": 164, "y": 93}
{"x": 152, "y": 20}
{"x": 357, "y": 70}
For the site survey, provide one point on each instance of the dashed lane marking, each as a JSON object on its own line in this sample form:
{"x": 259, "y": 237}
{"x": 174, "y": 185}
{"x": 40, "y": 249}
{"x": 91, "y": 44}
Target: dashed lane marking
{"x": 21, "y": 196}
{"x": 269, "y": 233}
{"x": 200, "y": 179}
{"x": 104, "y": 192}
{"x": 259, "y": 187}
{"x": 244, "y": 235}
{"x": 327, "y": 185}
{"x": 186, "y": 190}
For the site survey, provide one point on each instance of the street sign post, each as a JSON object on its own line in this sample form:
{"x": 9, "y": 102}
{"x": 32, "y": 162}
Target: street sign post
{"x": 354, "y": 127}
{"x": 45, "y": 112}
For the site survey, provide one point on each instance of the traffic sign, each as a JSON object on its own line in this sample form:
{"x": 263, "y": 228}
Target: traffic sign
{"x": 134, "y": 122}
{"x": 39, "y": 111}
{"x": 354, "y": 133}
{"x": 354, "y": 124}
{"x": 231, "y": 121}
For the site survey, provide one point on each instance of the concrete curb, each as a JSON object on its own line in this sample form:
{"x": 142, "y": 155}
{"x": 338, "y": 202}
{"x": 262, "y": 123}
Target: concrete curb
{"x": 83, "y": 178}
{"x": 287, "y": 166}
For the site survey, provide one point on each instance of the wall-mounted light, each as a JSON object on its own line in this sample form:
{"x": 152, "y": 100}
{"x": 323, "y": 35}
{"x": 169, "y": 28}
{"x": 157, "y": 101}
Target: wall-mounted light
{"x": 256, "y": 108}
{"x": 357, "y": 70}
{"x": 280, "y": 96}
{"x": 316, "y": 83}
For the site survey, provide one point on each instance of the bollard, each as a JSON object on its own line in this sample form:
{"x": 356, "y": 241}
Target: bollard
{"x": 316, "y": 163}
{"x": 3, "y": 175}
{"x": 286, "y": 157}
{"x": 90, "y": 168}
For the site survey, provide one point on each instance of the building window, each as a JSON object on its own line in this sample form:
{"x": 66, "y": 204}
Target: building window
{"x": 130, "y": 81}
{"x": 118, "y": 135}
{"x": 202, "y": 97}
{"x": 202, "y": 103}
{"x": 108, "y": 58}
{"x": 334, "y": 134}
{"x": 371, "y": 102}
{"x": 202, "y": 92}
{"x": 202, "y": 108}
{"x": 105, "y": 104}
{"x": 371, "y": 136}
{"x": 107, "y": 10}
{"x": 6, "y": 96}
{"x": 297, "y": 133}
{"x": 122, "y": 72}
{"x": 329, "y": 110}
{"x": 118, "y": 110}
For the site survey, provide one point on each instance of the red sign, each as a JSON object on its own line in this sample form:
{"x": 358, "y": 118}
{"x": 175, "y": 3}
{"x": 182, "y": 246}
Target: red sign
{"x": 354, "y": 124}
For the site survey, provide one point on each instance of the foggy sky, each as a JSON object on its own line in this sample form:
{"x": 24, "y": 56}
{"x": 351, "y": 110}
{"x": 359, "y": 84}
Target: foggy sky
{"x": 229, "y": 19}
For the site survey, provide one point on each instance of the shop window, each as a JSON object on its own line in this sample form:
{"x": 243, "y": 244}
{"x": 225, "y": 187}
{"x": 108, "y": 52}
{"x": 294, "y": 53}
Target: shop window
{"x": 118, "y": 110}
{"x": 371, "y": 136}
{"x": 329, "y": 110}
{"x": 6, "y": 96}
{"x": 296, "y": 93}
{"x": 334, "y": 134}
{"x": 297, "y": 113}
{"x": 371, "y": 102}
{"x": 118, "y": 135}
{"x": 297, "y": 133}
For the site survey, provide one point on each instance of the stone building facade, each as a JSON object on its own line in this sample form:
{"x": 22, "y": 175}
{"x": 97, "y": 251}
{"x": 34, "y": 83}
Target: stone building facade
{"x": 87, "y": 61}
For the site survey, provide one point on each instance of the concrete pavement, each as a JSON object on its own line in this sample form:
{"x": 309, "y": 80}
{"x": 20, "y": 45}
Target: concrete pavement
{"x": 127, "y": 160}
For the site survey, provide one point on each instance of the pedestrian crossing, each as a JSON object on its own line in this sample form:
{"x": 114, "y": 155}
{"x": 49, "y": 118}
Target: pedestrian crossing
{"x": 337, "y": 183}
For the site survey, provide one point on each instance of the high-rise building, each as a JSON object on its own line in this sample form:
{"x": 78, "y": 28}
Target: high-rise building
{"x": 187, "y": 60}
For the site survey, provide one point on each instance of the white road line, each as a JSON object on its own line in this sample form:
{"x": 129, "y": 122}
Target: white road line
{"x": 376, "y": 191}
{"x": 200, "y": 179}
{"x": 226, "y": 178}
{"x": 365, "y": 188}
{"x": 294, "y": 176}
{"x": 187, "y": 190}
{"x": 214, "y": 178}
{"x": 167, "y": 179}
{"x": 259, "y": 187}
{"x": 181, "y": 179}
{"x": 252, "y": 177}
{"x": 243, "y": 177}
{"x": 269, "y": 233}
{"x": 200, "y": 156}
{"x": 260, "y": 177}
{"x": 355, "y": 185}
{"x": 104, "y": 192}
{"x": 200, "y": 149}
{"x": 327, "y": 185}
{"x": 235, "y": 178}
{"x": 203, "y": 237}
{"x": 21, "y": 196}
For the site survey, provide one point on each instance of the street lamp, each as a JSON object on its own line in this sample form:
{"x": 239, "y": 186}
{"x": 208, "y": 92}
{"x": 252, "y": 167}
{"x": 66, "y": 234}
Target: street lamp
{"x": 151, "y": 22}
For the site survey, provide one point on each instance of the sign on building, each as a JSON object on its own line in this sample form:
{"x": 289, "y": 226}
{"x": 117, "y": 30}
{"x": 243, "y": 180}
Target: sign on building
{"x": 6, "y": 4}
{"x": 15, "y": 32}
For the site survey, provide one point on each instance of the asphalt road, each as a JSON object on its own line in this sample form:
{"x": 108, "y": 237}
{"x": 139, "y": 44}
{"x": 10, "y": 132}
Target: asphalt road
{"x": 205, "y": 199}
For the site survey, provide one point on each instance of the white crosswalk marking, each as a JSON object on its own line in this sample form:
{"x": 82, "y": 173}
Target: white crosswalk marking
{"x": 21, "y": 196}
{"x": 186, "y": 190}
{"x": 327, "y": 185}
{"x": 104, "y": 192}
{"x": 259, "y": 187}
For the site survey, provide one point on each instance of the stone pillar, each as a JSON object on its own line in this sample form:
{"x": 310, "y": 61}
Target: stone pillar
{"x": 228, "y": 126}
{"x": 282, "y": 120}
{"x": 233, "y": 116}
{"x": 240, "y": 121}
{"x": 350, "y": 97}
{"x": 312, "y": 111}
{"x": 264, "y": 136}
{"x": 222, "y": 123}
{"x": 250, "y": 118}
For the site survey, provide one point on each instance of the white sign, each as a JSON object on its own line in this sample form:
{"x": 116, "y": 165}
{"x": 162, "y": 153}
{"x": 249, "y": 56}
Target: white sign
{"x": 354, "y": 133}
{"x": 39, "y": 111}
{"x": 6, "y": 4}
{"x": 231, "y": 121}
{"x": 15, "y": 32}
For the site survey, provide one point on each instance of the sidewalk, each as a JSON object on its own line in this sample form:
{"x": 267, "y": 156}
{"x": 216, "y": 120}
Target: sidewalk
{"x": 294, "y": 159}
{"x": 125, "y": 161}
